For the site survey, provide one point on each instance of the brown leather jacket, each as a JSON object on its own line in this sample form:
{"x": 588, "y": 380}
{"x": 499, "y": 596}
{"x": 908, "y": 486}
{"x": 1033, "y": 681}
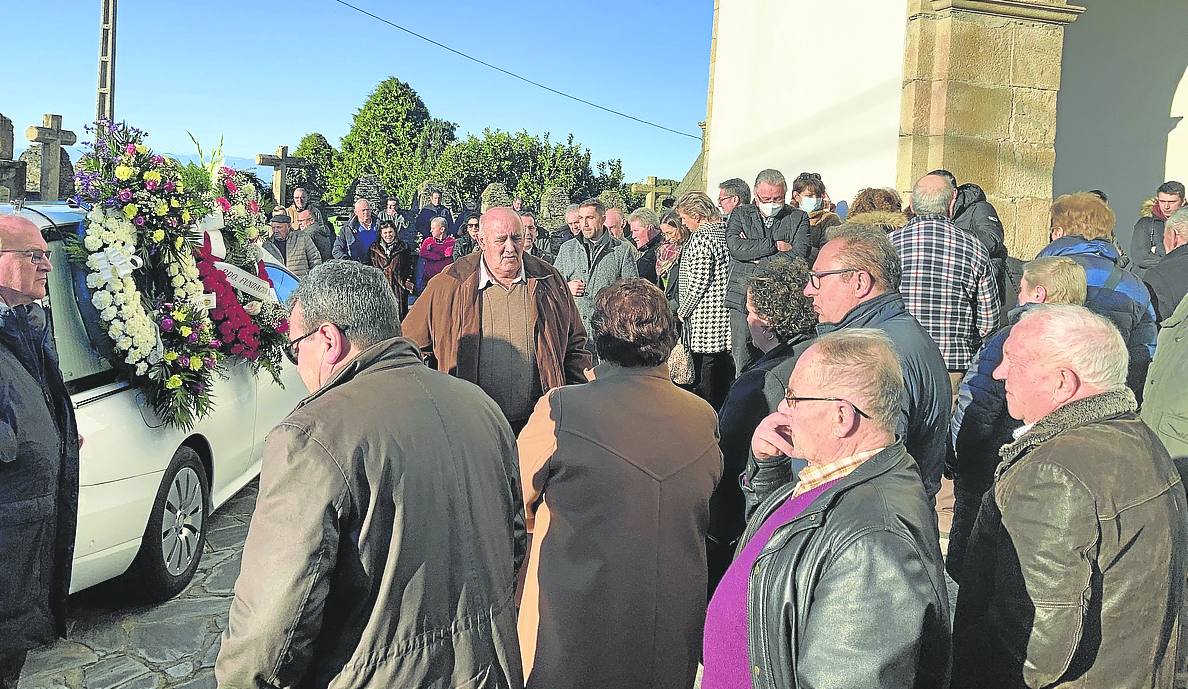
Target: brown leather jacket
{"x": 445, "y": 322}
{"x": 1075, "y": 571}
{"x": 384, "y": 548}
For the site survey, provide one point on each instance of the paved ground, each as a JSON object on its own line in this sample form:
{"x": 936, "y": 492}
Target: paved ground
{"x": 114, "y": 642}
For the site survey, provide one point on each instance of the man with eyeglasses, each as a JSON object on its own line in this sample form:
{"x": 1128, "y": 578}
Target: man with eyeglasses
{"x": 854, "y": 284}
{"x": 38, "y": 457}
{"x": 837, "y": 580}
{"x": 384, "y": 546}
{"x": 732, "y": 193}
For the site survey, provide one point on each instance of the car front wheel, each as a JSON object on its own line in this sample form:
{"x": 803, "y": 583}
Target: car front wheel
{"x": 176, "y": 531}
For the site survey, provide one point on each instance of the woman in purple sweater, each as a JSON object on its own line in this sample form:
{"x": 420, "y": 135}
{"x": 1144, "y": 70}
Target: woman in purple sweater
{"x": 437, "y": 252}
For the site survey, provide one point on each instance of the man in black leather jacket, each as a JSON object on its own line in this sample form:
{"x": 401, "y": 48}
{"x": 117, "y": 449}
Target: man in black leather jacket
{"x": 838, "y": 579}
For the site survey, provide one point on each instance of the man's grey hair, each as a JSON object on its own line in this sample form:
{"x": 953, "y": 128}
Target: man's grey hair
{"x": 354, "y": 297}
{"x": 362, "y": 199}
{"x": 1076, "y": 338}
{"x": 861, "y": 366}
{"x": 772, "y": 177}
{"x": 737, "y": 187}
{"x": 572, "y": 208}
{"x": 926, "y": 202}
{"x": 647, "y": 216}
{"x": 437, "y": 220}
{"x": 1177, "y": 223}
{"x": 866, "y": 248}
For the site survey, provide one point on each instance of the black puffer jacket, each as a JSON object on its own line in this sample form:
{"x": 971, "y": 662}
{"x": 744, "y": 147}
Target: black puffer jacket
{"x": 974, "y": 214}
{"x": 1146, "y": 244}
{"x": 38, "y": 483}
{"x": 751, "y": 245}
{"x": 851, "y": 593}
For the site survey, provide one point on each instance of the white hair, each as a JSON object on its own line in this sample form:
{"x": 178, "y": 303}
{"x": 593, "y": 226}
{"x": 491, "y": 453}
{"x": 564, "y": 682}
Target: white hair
{"x": 437, "y": 220}
{"x": 1075, "y": 337}
{"x": 1177, "y": 223}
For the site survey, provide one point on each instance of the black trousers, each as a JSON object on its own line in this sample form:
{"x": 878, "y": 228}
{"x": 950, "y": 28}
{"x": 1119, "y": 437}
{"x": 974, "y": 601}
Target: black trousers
{"x": 10, "y": 669}
{"x": 965, "y": 510}
{"x": 741, "y": 350}
{"x": 713, "y": 374}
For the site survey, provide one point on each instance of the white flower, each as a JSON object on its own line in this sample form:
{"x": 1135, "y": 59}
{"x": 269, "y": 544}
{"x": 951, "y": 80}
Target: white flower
{"x": 92, "y": 243}
{"x": 252, "y": 308}
{"x": 101, "y": 300}
{"x": 124, "y": 343}
{"x": 141, "y": 369}
{"x": 177, "y": 281}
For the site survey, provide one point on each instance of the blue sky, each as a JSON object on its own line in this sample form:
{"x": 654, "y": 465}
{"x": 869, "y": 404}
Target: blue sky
{"x": 261, "y": 73}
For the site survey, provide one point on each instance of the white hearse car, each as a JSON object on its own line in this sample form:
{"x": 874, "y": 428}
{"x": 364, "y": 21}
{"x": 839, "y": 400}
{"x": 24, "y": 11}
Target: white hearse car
{"x": 146, "y": 490}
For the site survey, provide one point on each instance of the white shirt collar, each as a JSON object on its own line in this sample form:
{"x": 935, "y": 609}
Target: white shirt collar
{"x": 1018, "y": 432}
{"x": 486, "y": 279}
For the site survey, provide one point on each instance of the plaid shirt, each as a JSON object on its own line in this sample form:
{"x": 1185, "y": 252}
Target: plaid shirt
{"x": 813, "y": 476}
{"x": 948, "y": 285}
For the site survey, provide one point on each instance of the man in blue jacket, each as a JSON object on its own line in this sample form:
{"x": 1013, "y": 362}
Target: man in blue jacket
{"x": 38, "y": 457}
{"x": 1083, "y": 230}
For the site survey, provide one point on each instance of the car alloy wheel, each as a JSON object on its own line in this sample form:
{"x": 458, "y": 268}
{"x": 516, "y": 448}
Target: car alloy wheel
{"x": 182, "y": 521}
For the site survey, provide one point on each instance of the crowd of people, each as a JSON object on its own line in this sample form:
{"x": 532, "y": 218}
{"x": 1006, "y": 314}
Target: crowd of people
{"x": 757, "y": 437}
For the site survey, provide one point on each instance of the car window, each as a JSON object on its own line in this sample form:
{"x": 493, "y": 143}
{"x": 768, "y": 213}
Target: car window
{"x": 283, "y": 282}
{"x": 78, "y": 359}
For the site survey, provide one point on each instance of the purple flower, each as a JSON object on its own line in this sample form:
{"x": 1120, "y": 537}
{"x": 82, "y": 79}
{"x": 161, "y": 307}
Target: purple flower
{"x": 166, "y": 324}
{"x": 216, "y": 344}
{"x": 158, "y": 160}
{"x": 193, "y": 338}
{"x": 198, "y": 388}
{"x": 151, "y": 185}
{"x": 139, "y": 221}
{"x": 184, "y": 362}
{"x": 170, "y": 186}
{"x": 209, "y": 362}
{"x": 125, "y": 195}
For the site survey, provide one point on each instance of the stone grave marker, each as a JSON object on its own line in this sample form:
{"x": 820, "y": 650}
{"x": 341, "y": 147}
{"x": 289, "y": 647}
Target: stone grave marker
{"x": 51, "y": 183}
{"x": 280, "y": 164}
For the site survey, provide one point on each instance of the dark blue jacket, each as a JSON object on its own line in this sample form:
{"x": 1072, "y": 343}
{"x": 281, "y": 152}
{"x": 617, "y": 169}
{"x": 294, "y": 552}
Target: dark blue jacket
{"x": 428, "y": 213}
{"x": 38, "y": 483}
{"x": 1119, "y": 296}
{"x": 928, "y": 401}
{"x": 981, "y": 424}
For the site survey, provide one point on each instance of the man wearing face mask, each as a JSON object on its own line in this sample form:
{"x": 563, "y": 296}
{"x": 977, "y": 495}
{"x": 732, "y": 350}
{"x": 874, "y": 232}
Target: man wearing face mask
{"x": 755, "y": 233}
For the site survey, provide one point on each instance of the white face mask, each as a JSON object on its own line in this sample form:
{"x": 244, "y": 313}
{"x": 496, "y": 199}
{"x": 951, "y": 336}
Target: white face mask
{"x": 810, "y": 204}
{"x": 770, "y": 209}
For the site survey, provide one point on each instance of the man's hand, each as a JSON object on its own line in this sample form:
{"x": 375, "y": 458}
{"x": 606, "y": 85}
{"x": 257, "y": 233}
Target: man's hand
{"x": 577, "y": 287}
{"x": 773, "y": 437}
{"x": 781, "y": 245}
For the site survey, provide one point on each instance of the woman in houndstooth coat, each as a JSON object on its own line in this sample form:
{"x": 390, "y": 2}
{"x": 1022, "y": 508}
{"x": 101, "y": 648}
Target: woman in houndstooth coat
{"x": 704, "y": 272}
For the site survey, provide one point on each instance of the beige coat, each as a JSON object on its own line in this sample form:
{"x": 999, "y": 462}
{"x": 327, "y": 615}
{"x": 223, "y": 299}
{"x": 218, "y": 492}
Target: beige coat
{"x": 618, "y": 504}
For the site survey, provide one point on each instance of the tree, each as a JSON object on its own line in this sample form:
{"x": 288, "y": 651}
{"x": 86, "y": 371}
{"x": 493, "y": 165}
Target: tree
{"x": 322, "y": 157}
{"x": 523, "y": 163}
{"x": 392, "y": 137}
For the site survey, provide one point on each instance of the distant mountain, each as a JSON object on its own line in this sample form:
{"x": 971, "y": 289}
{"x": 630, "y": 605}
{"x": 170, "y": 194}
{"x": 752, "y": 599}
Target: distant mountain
{"x": 237, "y": 162}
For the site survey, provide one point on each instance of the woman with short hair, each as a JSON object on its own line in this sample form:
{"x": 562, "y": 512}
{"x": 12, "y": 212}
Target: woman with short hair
{"x": 705, "y": 271}
{"x": 782, "y": 324}
{"x": 618, "y": 507}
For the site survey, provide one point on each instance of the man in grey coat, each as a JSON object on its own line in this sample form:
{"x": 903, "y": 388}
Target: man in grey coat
{"x": 384, "y": 547}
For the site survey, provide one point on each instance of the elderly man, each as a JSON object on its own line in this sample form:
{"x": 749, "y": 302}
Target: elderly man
{"x": 948, "y": 282}
{"x": 356, "y": 235}
{"x": 755, "y": 233}
{"x": 322, "y": 598}
{"x": 593, "y": 259}
{"x": 296, "y": 250}
{"x": 854, "y": 284}
{"x": 601, "y": 499}
{"x": 837, "y": 581}
{"x": 320, "y": 233}
{"x": 502, "y": 320}
{"x": 1075, "y": 569}
{"x": 981, "y": 424}
{"x": 616, "y": 224}
{"x": 645, "y": 233}
{"x": 38, "y": 457}
{"x": 301, "y": 202}
{"x": 431, "y": 210}
{"x": 1168, "y": 279}
{"x": 732, "y": 193}
{"x": 1146, "y": 244}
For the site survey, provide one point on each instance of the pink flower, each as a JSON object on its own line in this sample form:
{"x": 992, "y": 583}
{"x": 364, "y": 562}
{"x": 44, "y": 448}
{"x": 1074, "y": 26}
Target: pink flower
{"x": 253, "y": 206}
{"x": 130, "y": 149}
{"x": 125, "y": 195}
{"x": 231, "y": 188}
{"x": 170, "y": 186}
{"x": 158, "y": 160}
{"x": 151, "y": 184}
{"x": 226, "y": 171}
{"x": 139, "y": 221}
{"x": 224, "y": 204}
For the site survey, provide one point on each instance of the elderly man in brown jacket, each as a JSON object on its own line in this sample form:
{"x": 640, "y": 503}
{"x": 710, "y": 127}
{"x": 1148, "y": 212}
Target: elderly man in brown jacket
{"x": 502, "y": 320}
{"x": 618, "y": 504}
{"x": 384, "y": 548}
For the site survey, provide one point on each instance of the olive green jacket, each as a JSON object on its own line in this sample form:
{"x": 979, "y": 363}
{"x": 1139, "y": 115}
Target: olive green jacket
{"x": 1165, "y": 405}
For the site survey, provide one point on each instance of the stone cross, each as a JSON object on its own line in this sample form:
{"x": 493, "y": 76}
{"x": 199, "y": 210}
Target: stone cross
{"x": 52, "y": 138}
{"x": 651, "y": 189}
{"x": 6, "y": 143}
{"x": 280, "y": 163}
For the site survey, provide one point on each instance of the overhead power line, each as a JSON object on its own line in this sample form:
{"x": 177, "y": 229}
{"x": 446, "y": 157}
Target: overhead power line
{"x": 513, "y": 74}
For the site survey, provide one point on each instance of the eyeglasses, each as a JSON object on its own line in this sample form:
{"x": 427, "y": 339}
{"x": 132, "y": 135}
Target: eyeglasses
{"x": 816, "y": 275}
{"x": 35, "y": 255}
{"x": 472, "y": 224}
{"x": 291, "y": 348}
{"x": 793, "y": 399}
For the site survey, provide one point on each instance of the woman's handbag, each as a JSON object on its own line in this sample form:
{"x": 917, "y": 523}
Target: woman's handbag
{"x": 680, "y": 363}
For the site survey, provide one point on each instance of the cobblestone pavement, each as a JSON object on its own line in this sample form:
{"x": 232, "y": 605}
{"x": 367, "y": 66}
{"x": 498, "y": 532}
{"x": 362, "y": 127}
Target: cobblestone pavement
{"x": 114, "y": 642}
